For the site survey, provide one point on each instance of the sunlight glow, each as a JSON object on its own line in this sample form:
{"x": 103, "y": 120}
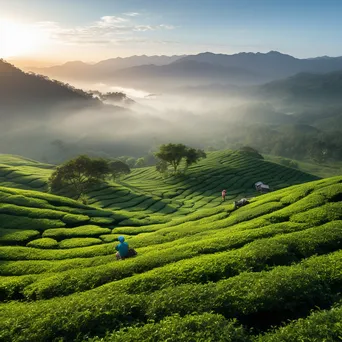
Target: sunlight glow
{"x": 17, "y": 39}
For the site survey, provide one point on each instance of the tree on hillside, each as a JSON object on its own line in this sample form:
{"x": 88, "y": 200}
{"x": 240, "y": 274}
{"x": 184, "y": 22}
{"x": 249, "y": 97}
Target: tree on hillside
{"x": 161, "y": 166}
{"x": 251, "y": 152}
{"x": 192, "y": 156}
{"x": 173, "y": 154}
{"x": 140, "y": 162}
{"x": 79, "y": 174}
{"x": 118, "y": 168}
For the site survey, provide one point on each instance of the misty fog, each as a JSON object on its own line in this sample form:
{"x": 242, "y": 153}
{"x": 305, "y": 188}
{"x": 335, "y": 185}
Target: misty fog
{"x": 121, "y": 130}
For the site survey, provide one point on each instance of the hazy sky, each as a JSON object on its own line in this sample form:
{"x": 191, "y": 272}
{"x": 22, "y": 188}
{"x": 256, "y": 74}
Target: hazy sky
{"x": 89, "y": 30}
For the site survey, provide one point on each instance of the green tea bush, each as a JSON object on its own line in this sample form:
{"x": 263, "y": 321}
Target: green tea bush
{"x": 25, "y": 267}
{"x": 81, "y": 231}
{"x": 22, "y": 253}
{"x": 17, "y": 236}
{"x": 282, "y": 292}
{"x": 11, "y": 287}
{"x": 111, "y": 237}
{"x": 79, "y": 242}
{"x": 20, "y": 222}
{"x": 325, "y": 213}
{"x": 200, "y": 328}
{"x": 21, "y": 200}
{"x": 101, "y": 221}
{"x": 71, "y": 219}
{"x": 30, "y": 212}
{"x": 319, "y": 326}
{"x": 44, "y": 243}
{"x": 256, "y": 256}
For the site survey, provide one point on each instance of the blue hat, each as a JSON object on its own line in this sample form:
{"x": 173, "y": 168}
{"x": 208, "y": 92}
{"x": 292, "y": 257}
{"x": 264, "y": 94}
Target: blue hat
{"x": 121, "y": 238}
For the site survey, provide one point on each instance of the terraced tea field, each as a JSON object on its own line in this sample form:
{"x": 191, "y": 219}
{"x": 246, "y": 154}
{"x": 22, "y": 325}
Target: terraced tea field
{"x": 204, "y": 271}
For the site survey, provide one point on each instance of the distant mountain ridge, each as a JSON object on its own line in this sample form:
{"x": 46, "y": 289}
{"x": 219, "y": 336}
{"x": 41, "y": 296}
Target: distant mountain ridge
{"x": 245, "y": 67}
{"x": 80, "y": 69}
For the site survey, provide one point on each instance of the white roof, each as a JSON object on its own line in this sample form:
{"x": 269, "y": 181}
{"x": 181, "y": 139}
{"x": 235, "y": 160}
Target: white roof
{"x": 258, "y": 183}
{"x": 264, "y": 186}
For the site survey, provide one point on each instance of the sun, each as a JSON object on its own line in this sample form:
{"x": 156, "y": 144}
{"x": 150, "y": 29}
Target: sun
{"x": 17, "y": 39}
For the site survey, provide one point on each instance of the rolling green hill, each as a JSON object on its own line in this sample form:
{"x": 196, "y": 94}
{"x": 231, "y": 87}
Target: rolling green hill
{"x": 146, "y": 191}
{"x": 204, "y": 271}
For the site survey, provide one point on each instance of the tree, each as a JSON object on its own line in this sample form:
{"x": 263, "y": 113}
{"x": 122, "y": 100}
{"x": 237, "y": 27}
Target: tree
{"x": 140, "y": 162}
{"x": 192, "y": 156}
{"x": 130, "y": 162}
{"x": 79, "y": 174}
{"x": 172, "y": 154}
{"x": 118, "y": 168}
{"x": 250, "y": 151}
{"x": 161, "y": 166}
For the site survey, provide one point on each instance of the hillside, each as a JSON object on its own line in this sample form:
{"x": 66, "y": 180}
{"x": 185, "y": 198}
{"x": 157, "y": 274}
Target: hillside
{"x": 145, "y": 191}
{"x": 306, "y": 88}
{"x": 275, "y": 259}
{"x": 29, "y": 92}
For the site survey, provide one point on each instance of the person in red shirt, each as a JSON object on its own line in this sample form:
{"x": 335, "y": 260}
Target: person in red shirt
{"x": 224, "y": 192}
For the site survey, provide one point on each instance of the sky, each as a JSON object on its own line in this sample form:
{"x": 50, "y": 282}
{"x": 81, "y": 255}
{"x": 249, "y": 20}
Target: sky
{"x": 55, "y": 31}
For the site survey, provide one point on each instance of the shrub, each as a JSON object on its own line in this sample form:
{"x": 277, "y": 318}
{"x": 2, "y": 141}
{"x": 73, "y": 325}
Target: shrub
{"x": 30, "y": 212}
{"x": 85, "y": 231}
{"x": 17, "y": 236}
{"x": 200, "y": 328}
{"x": 79, "y": 242}
{"x": 44, "y": 243}
{"x": 16, "y": 222}
{"x": 319, "y": 326}
{"x": 315, "y": 216}
{"x": 102, "y": 221}
{"x": 282, "y": 292}
{"x": 11, "y": 287}
{"x": 71, "y": 219}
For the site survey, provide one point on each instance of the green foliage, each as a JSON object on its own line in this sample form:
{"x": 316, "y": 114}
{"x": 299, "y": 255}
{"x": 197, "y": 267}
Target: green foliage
{"x": 44, "y": 243}
{"x": 71, "y": 219}
{"x": 88, "y": 230}
{"x": 250, "y": 151}
{"x": 79, "y": 242}
{"x": 200, "y": 328}
{"x": 140, "y": 162}
{"x": 118, "y": 168}
{"x": 79, "y": 175}
{"x": 173, "y": 154}
{"x": 289, "y": 163}
{"x": 19, "y": 222}
{"x": 319, "y": 326}
{"x": 202, "y": 271}
{"x": 17, "y": 236}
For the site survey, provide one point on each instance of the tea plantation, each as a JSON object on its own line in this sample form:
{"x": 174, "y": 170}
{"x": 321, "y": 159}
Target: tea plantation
{"x": 268, "y": 271}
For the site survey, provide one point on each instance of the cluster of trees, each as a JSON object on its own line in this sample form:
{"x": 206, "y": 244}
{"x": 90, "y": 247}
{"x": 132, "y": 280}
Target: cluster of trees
{"x": 173, "y": 154}
{"x": 79, "y": 175}
{"x": 118, "y": 97}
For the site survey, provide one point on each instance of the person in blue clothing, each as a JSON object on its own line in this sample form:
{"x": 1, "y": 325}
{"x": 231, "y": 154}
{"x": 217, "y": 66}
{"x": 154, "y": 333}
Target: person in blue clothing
{"x": 122, "y": 248}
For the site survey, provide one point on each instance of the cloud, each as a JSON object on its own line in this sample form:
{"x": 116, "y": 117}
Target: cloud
{"x": 107, "y": 30}
{"x": 131, "y": 14}
{"x": 109, "y": 21}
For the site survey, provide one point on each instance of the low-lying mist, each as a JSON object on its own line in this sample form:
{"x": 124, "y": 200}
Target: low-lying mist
{"x": 134, "y": 129}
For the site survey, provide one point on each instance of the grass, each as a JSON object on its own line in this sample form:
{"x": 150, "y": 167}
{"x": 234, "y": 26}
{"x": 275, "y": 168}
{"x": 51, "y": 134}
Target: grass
{"x": 269, "y": 271}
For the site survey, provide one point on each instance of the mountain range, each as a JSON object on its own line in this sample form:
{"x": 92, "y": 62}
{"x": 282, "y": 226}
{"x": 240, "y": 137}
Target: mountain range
{"x": 162, "y": 72}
